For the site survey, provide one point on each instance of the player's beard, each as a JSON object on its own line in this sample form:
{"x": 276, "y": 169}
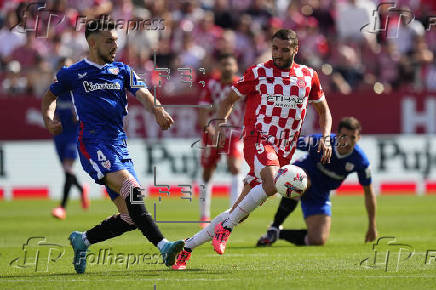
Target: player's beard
{"x": 106, "y": 58}
{"x": 287, "y": 65}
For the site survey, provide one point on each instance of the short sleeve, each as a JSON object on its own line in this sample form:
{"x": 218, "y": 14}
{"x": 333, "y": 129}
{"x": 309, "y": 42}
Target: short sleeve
{"x": 246, "y": 84}
{"x": 62, "y": 82}
{"x": 133, "y": 82}
{"x": 316, "y": 93}
{"x": 364, "y": 172}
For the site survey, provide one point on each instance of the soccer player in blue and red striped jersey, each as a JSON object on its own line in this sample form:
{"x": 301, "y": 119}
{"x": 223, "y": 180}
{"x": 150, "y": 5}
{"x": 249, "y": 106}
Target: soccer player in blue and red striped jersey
{"x": 98, "y": 87}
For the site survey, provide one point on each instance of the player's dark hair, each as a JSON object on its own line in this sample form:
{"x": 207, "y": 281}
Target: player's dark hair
{"x": 287, "y": 34}
{"x": 97, "y": 25}
{"x": 349, "y": 123}
{"x": 225, "y": 56}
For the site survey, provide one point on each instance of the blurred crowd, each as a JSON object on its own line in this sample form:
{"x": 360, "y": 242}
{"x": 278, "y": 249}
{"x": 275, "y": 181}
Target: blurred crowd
{"x": 353, "y": 44}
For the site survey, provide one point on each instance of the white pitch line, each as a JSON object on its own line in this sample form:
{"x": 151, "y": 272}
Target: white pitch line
{"x": 112, "y": 280}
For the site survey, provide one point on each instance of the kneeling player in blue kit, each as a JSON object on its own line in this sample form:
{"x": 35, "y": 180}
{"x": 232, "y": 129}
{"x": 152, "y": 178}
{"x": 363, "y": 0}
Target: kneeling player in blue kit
{"x": 98, "y": 87}
{"x": 347, "y": 157}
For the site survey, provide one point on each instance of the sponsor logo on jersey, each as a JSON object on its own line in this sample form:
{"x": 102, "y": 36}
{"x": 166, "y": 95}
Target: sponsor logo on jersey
{"x": 285, "y": 101}
{"x": 89, "y": 86}
{"x": 329, "y": 173}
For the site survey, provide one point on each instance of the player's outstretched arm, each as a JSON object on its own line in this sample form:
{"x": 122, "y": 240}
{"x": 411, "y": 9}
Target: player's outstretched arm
{"x": 325, "y": 123}
{"x": 48, "y": 107}
{"x": 163, "y": 119}
{"x": 370, "y": 204}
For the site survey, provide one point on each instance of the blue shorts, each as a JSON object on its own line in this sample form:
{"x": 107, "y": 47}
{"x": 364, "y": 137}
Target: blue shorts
{"x": 315, "y": 201}
{"x": 66, "y": 146}
{"x": 98, "y": 159}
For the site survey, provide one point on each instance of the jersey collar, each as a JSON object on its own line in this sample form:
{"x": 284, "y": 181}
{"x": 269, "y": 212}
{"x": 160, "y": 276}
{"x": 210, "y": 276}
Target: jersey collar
{"x": 99, "y": 66}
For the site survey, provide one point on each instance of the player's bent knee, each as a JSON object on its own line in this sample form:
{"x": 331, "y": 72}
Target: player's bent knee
{"x": 317, "y": 240}
{"x": 115, "y": 180}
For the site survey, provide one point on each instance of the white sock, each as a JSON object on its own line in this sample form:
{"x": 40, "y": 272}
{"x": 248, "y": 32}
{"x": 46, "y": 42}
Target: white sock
{"x": 85, "y": 239}
{"x": 306, "y": 240}
{"x": 236, "y": 188}
{"x": 161, "y": 244}
{"x": 252, "y": 200}
{"x": 206, "y": 234}
{"x": 204, "y": 200}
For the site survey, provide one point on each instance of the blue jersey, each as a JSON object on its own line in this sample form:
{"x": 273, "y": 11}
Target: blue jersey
{"x": 65, "y": 112}
{"x": 99, "y": 95}
{"x": 330, "y": 176}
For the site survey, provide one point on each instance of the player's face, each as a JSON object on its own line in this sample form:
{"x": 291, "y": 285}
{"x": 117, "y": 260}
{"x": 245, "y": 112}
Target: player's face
{"x": 346, "y": 140}
{"x": 283, "y": 52}
{"x": 106, "y": 45}
{"x": 228, "y": 67}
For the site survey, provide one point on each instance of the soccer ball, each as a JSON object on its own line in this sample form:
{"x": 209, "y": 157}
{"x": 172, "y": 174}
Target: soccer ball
{"x": 291, "y": 181}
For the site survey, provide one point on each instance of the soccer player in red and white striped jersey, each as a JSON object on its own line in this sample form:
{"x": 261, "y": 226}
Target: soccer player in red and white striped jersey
{"x": 215, "y": 91}
{"x": 276, "y": 95}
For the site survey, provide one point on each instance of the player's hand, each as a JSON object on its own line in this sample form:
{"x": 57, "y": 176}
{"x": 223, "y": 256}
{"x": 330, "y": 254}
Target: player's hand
{"x": 326, "y": 147}
{"x": 371, "y": 235}
{"x": 54, "y": 126}
{"x": 219, "y": 138}
{"x": 210, "y": 130}
{"x": 163, "y": 119}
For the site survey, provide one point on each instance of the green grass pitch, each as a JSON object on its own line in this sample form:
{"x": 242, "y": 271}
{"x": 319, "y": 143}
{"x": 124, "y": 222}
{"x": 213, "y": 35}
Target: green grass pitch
{"x": 411, "y": 219}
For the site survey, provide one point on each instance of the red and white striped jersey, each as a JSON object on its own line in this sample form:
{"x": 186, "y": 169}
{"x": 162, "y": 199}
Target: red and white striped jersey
{"x": 215, "y": 91}
{"x": 276, "y": 102}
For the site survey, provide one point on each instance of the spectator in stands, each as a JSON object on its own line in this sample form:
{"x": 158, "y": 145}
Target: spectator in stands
{"x": 10, "y": 39}
{"x": 14, "y": 83}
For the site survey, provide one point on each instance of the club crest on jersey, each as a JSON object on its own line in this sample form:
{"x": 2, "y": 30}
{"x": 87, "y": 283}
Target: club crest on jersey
{"x": 113, "y": 70}
{"x": 301, "y": 83}
{"x": 349, "y": 166}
